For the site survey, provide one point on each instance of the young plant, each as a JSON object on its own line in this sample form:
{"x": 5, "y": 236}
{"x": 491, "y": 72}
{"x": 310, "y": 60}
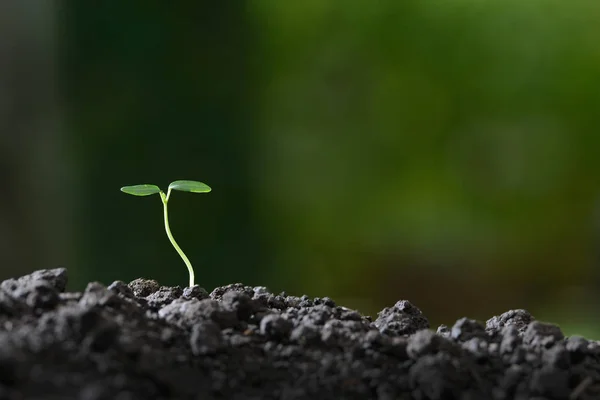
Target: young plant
{"x": 183, "y": 186}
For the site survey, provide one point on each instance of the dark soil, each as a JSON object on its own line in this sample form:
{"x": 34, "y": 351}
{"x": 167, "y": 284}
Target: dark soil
{"x": 145, "y": 341}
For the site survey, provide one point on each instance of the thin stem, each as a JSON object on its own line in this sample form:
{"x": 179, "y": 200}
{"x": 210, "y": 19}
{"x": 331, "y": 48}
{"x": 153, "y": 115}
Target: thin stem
{"x": 165, "y": 200}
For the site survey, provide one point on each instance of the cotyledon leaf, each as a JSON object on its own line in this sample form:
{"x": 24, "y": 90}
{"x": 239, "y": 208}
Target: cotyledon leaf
{"x": 140, "y": 190}
{"x": 190, "y": 186}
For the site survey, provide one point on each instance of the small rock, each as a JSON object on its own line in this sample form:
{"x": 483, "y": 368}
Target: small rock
{"x": 465, "y": 329}
{"x": 260, "y": 290}
{"x": 39, "y": 289}
{"x": 96, "y": 294}
{"x": 328, "y": 302}
{"x": 121, "y": 288}
{"x": 143, "y": 287}
{"x": 240, "y": 303}
{"x": 195, "y": 292}
{"x": 275, "y": 326}
{"x": 520, "y": 318}
{"x": 217, "y": 293}
{"x": 276, "y": 302}
{"x": 402, "y": 319}
{"x": 444, "y": 331}
{"x": 163, "y": 296}
{"x": 292, "y": 301}
{"x": 186, "y": 313}
{"x": 346, "y": 314}
{"x": 542, "y": 334}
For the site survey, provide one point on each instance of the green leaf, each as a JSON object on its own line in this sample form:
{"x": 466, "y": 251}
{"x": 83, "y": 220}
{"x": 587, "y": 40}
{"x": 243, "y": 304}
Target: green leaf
{"x": 141, "y": 190}
{"x": 190, "y": 186}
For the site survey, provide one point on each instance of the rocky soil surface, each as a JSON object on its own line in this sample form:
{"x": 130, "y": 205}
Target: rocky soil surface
{"x": 145, "y": 341}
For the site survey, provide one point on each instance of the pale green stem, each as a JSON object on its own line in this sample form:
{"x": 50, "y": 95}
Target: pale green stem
{"x": 165, "y": 200}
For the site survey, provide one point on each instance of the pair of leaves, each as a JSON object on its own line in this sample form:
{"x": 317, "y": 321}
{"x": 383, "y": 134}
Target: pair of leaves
{"x": 183, "y": 186}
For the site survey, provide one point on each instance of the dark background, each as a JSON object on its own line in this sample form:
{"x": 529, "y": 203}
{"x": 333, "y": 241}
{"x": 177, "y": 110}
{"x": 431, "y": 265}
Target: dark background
{"x": 444, "y": 152}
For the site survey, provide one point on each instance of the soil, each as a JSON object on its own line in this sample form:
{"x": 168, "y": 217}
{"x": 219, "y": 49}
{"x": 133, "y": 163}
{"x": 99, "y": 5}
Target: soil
{"x": 145, "y": 341}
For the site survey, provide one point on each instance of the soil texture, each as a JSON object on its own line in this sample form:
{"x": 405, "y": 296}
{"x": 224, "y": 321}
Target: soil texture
{"x": 145, "y": 341}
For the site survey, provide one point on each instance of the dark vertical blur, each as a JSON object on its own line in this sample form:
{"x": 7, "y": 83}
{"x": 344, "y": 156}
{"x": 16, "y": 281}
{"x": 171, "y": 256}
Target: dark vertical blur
{"x": 34, "y": 173}
{"x": 158, "y": 92}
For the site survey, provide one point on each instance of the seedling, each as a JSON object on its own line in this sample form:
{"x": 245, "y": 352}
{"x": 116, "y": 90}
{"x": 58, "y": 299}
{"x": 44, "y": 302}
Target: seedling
{"x": 183, "y": 186}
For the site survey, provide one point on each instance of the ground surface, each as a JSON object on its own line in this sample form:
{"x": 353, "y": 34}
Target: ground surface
{"x": 144, "y": 341}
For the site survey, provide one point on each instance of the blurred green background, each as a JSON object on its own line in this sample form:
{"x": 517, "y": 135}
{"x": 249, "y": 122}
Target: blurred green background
{"x": 444, "y": 152}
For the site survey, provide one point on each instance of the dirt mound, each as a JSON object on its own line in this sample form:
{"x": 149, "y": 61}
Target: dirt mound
{"x": 145, "y": 341}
